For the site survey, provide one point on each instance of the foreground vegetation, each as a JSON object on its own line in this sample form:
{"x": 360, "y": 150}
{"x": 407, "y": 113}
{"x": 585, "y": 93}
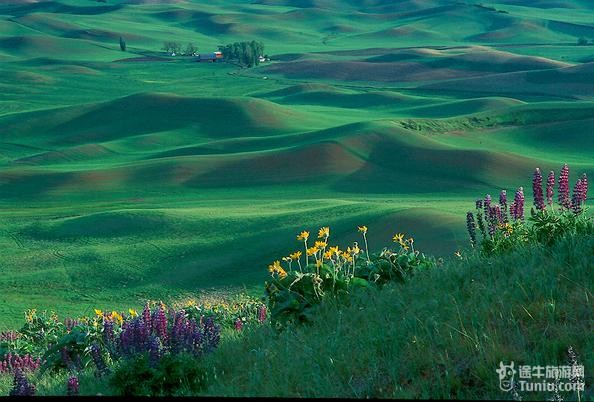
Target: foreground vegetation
{"x": 439, "y": 336}
{"x": 349, "y": 322}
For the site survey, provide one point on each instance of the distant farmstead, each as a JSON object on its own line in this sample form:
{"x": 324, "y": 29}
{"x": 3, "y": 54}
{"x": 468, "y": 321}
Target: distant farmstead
{"x": 210, "y": 57}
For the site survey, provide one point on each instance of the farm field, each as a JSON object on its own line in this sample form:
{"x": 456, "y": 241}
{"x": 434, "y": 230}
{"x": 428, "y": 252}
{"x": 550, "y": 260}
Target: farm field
{"x": 133, "y": 175}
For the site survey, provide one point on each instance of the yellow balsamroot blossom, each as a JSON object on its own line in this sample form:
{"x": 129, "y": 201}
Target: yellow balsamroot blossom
{"x": 276, "y": 268}
{"x": 327, "y": 255}
{"x": 312, "y": 250}
{"x": 295, "y": 255}
{"x": 320, "y": 244}
{"x": 30, "y": 314}
{"x": 303, "y": 236}
{"x": 334, "y": 250}
{"x": 116, "y": 317}
{"x": 363, "y": 229}
{"x": 133, "y": 313}
{"x": 98, "y": 313}
{"x": 398, "y": 238}
{"x": 347, "y": 257}
{"x": 324, "y": 232}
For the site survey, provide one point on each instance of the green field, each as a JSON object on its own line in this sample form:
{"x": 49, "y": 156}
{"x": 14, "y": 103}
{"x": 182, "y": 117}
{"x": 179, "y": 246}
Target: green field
{"x": 123, "y": 179}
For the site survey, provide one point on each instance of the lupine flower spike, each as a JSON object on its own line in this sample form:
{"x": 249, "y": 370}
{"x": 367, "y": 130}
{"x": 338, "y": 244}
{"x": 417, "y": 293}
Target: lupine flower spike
{"x": 550, "y": 188}
{"x": 471, "y": 226}
{"x": 563, "y": 196}
{"x": 518, "y": 212}
{"x": 539, "y": 203}
{"x": 72, "y": 388}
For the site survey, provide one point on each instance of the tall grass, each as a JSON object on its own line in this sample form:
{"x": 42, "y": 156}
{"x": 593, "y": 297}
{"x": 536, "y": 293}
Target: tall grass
{"x": 439, "y": 336}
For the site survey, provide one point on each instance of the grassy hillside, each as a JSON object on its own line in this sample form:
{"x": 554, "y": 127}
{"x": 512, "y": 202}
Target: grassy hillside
{"x": 130, "y": 175}
{"x": 441, "y": 335}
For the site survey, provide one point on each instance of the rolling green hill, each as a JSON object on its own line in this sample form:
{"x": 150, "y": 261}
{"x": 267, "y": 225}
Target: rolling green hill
{"x": 131, "y": 175}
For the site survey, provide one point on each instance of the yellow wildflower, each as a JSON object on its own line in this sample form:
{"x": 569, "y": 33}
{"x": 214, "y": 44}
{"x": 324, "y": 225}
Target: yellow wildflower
{"x": 363, "y": 229}
{"x": 324, "y": 232}
{"x": 303, "y": 236}
{"x": 133, "y": 312}
{"x": 312, "y": 250}
{"x": 99, "y": 313}
{"x": 274, "y": 266}
{"x": 117, "y": 317}
{"x": 327, "y": 255}
{"x": 347, "y": 256}
{"x": 334, "y": 250}
{"x": 295, "y": 255}
{"x": 320, "y": 244}
{"x": 398, "y": 238}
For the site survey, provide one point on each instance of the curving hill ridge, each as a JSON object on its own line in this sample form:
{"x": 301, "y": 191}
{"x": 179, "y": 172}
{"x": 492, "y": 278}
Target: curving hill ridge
{"x": 138, "y": 175}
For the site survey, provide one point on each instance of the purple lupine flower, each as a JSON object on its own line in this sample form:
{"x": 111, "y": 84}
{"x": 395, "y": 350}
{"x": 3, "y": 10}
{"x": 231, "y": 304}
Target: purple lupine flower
{"x": 262, "y": 309}
{"x": 576, "y": 200}
{"x": 97, "y": 357}
{"x": 479, "y": 204}
{"x": 146, "y": 318}
{"x": 487, "y": 204}
{"x": 550, "y": 187}
{"x": 108, "y": 335}
{"x": 584, "y": 188}
{"x": 498, "y": 214}
{"x": 160, "y": 322}
{"x": 72, "y": 386}
{"x": 470, "y": 226}
{"x": 154, "y": 351}
{"x": 9, "y": 336}
{"x": 503, "y": 203}
{"x": 12, "y": 362}
{"x": 21, "y": 385}
{"x": 539, "y": 203}
{"x": 518, "y": 212}
{"x": 563, "y": 196}
{"x": 503, "y": 198}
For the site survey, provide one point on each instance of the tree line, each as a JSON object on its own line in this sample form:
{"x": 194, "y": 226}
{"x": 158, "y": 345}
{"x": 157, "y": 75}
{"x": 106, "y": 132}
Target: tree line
{"x": 173, "y": 47}
{"x": 245, "y": 53}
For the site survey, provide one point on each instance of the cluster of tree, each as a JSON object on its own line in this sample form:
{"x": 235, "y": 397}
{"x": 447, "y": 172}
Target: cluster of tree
{"x": 174, "y": 48}
{"x": 583, "y": 41}
{"x": 245, "y": 53}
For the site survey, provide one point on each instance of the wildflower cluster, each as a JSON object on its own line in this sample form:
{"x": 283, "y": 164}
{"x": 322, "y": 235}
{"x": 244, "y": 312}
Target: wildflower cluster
{"x": 21, "y": 385}
{"x": 502, "y": 230}
{"x": 327, "y": 269}
{"x": 72, "y": 386}
{"x": 12, "y": 362}
{"x": 164, "y": 331}
{"x": 228, "y": 309}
